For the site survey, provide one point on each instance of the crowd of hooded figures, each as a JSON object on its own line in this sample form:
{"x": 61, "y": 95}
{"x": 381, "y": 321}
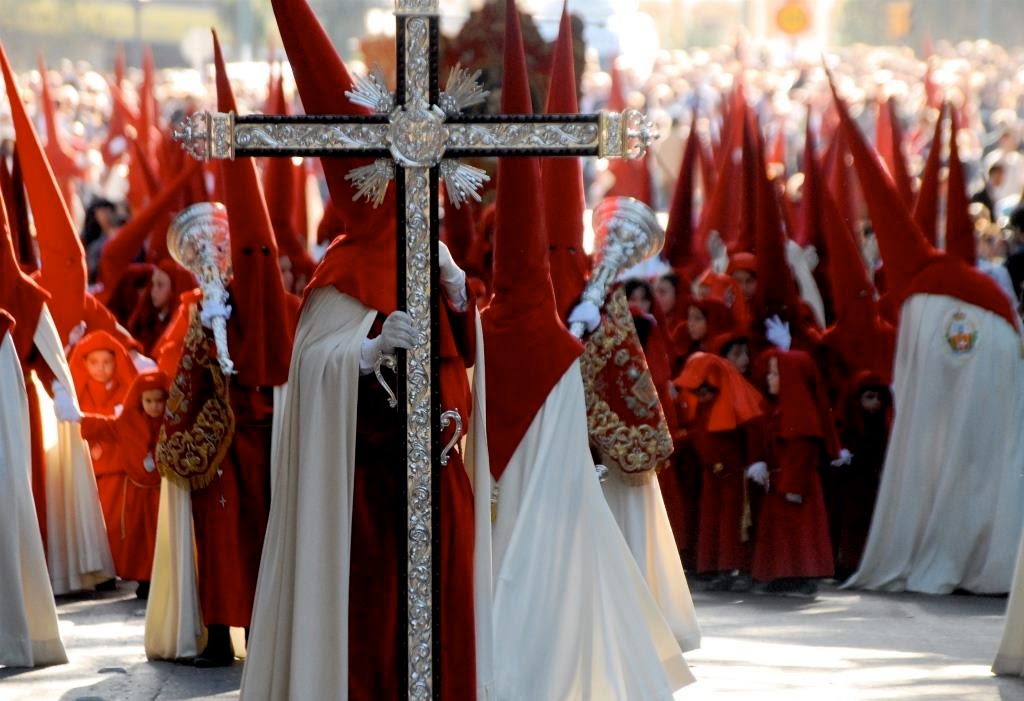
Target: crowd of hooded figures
{"x": 818, "y": 377}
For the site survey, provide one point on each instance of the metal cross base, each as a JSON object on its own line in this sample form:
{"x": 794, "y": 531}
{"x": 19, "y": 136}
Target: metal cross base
{"x": 416, "y": 135}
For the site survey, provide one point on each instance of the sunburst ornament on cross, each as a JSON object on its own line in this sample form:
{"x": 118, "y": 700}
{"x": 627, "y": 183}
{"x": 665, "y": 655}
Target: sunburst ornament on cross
{"x": 416, "y": 136}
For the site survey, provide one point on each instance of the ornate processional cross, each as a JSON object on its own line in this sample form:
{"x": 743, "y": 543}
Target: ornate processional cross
{"x": 415, "y": 136}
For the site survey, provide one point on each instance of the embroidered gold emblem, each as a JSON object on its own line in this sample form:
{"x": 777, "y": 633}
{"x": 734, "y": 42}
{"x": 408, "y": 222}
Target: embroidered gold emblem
{"x": 624, "y": 415}
{"x": 961, "y": 333}
{"x": 199, "y": 423}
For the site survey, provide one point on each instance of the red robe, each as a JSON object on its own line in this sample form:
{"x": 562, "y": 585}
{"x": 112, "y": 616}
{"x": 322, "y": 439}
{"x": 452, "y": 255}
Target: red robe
{"x": 792, "y": 528}
{"x": 726, "y": 438}
{"x": 230, "y": 512}
{"x": 723, "y": 542}
{"x": 133, "y": 434}
{"x": 103, "y": 400}
{"x": 377, "y": 630}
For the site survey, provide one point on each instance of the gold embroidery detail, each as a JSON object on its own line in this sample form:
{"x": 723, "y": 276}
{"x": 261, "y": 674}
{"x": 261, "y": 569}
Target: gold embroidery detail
{"x": 191, "y": 455}
{"x": 639, "y": 442}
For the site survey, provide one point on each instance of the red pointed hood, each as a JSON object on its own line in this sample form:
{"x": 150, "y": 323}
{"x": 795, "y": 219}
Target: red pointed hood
{"x": 60, "y": 250}
{"x": 912, "y": 266}
{"x": 363, "y": 261}
{"x": 562, "y": 184}
{"x": 959, "y": 227}
{"x": 527, "y": 347}
{"x": 148, "y": 126}
{"x": 720, "y": 212}
{"x": 889, "y": 137}
{"x": 279, "y": 187}
{"x": 122, "y": 116}
{"x": 61, "y": 156}
{"x": 777, "y": 291}
{"x": 926, "y": 206}
{"x": 744, "y": 236}
{"x": 149, "y": 222}
{"x": 260, "y": 328}
{"x": 809, "y": 228}
{"x": 19, "y": 294}
{"x": 679, "y": 231}
{"x": 12, "y": 186}
{"x": 862, "y": 338}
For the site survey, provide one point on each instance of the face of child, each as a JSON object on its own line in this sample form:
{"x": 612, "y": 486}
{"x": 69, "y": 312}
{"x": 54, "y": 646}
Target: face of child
{"x": 747, "y": 282}
{"x": 100, "y": 365}
{"x": 638, "y": 298}
{"x": 871, "y": 401}
{"x": 773, "y": 376}
{"x": 696, "y": 324}
{"x": 739, "y": 356}
{"x": 153, "y": 402}
{"x": 705, "y": 393}
{"x": 665, "y": 295}
{"x": 160, "y": 289}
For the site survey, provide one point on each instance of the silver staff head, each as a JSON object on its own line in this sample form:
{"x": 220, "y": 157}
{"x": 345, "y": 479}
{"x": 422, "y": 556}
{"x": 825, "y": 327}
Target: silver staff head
{"x": 199, "y": 240}
{"x": 626, "y": 232}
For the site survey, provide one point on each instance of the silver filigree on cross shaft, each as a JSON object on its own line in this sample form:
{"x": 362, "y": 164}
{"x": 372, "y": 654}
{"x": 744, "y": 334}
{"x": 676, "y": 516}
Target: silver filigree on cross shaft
{"x": 425, "y": 150}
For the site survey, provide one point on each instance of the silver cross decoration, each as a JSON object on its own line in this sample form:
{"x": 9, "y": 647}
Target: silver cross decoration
{"x": 416, "y": 136}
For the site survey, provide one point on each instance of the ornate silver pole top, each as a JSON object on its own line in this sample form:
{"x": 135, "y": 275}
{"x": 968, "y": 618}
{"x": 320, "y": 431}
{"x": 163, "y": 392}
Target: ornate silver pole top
{"x": 199, "y": 240}
{"x": 626, "y": 232}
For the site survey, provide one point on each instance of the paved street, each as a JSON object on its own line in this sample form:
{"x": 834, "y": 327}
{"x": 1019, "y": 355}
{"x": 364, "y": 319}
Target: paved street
{"x": 842, "y": 646}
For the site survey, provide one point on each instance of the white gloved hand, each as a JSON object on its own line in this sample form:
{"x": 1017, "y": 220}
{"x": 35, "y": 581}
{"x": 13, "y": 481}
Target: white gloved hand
{"x": 148, "y": 463}
{"x": 398, "y": 332}
{"x": 141, "y": 362}
{"x": 64, "y": 407}
{"x": 845, "y": 458}
{"x": 586, "y": 313}
{"x": 453, "y": 278}
{"x": 777, "y": 332}
{"x": 76, "y": 333}
{"x": 758, "y": 472}
{"x": 211, "y": 309}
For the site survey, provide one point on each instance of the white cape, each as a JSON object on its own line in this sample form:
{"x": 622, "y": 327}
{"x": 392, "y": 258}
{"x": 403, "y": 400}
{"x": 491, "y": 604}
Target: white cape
{"x": 642, "y": 517}
{"x": 572, "y": 615}
{"x": 299, "y": 643}
{"x": 949, "y": 510}
{"x": 29, "y": 636}
{"x": 77, "y": 547}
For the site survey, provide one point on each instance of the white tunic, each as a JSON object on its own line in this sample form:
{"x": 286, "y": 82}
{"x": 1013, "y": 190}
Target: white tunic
{"x": 28, "y": 618}
{"x": 642, "y": 517}
{"x": 949, "y": 508}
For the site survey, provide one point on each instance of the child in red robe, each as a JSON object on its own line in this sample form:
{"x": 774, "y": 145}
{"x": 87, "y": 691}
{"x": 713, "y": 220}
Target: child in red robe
{"x": 132, "y": 435}
{"x": 722, "y": 410}
{"x": 103, "y": 372}
{"x": 864, "y": 423}
{"x": 792, "y": 545}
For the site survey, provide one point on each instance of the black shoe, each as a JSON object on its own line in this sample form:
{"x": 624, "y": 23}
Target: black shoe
{"x": 142, "y": 592}
{"x": 741, "y": 583}
{"x": 108, "y": 585}
{"x": 218, "y": 651}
